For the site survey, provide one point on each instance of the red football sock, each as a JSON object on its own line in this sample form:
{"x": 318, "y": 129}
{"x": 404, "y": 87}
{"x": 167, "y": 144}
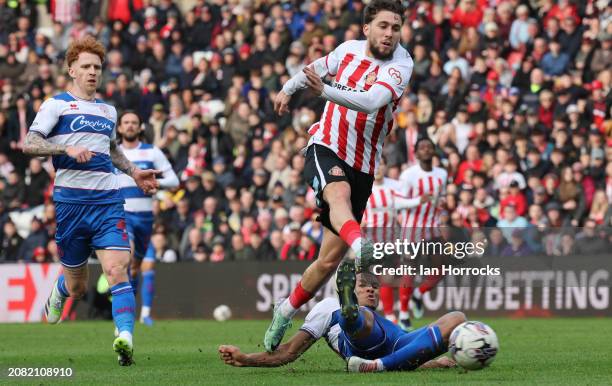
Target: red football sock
{"x": 430, "y": 282}
{"x": 350, "y": 231}
{"x": 299, "y": 296}
{"x": 386, "y": 297}
{"x": 405, "y": 292}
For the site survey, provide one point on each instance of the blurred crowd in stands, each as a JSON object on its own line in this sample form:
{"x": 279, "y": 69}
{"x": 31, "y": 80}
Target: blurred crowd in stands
{"x": 515, "y": 94}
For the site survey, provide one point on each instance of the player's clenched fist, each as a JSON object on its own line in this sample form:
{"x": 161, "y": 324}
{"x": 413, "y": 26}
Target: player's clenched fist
{"x": 145, "y": 179}
{"x": 79, "y": 153}
{"x": 231, "y": 355}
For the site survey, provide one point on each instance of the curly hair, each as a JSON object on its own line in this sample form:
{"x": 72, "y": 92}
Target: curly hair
{"x": 376, "y": 6}
{"x": 86, "y": 44}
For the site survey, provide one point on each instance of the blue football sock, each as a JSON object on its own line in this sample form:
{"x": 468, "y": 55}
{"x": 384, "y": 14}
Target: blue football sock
{"x": 61, "y": 286}
{"x": 427, "y": 345}
{"x": 374, "y": 338}
{"x": 124, "y": 305}
{"x": 351, "y": 327}
{"x": 148, "y": 288}
{"x": 134, "y": 280}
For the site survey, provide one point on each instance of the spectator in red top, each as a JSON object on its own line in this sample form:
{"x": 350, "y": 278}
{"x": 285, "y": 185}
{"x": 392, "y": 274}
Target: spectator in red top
{"x": 472, "y": 162}
{"x": 291, "y": 248}
{"x": 515, "y": 197}
{"x": 562, "y": 10}
{"x": 546, "y": 110}
{"x": 492, "y": 88}
{"x": 468, "y": 14}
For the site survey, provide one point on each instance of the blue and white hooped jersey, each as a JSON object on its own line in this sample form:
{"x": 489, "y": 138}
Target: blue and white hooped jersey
{"x": 145, "y": 156}
{"x": 322, "y": 322}
{"x": 68, "y": 120}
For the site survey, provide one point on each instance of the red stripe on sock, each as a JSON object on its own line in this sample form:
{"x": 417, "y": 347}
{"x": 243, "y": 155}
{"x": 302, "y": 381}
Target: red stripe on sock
{"x": 386, "y": 297}
{"x": 350, "y": 232}
{"x": 405, "y": 292}
{"x": 299, "y": 296}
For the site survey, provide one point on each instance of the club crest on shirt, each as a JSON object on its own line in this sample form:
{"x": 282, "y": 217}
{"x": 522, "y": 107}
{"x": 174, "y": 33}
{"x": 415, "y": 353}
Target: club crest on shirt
{"x": 336, "y": 171}
{"x": 370, "y": 78}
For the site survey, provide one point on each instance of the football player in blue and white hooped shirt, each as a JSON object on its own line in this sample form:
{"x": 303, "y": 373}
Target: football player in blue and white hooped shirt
{"x": 367, "y": 341}
{"x": 78, "y": 131}
{"x": 139, "y": 205}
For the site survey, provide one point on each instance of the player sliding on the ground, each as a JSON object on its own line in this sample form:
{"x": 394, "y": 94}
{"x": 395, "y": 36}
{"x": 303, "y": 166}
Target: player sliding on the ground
{"x": 139, "y": 206}
{"x": 346, "y": 144}
{"x": 352, "y": 328}
{"x": 78, "y": 130}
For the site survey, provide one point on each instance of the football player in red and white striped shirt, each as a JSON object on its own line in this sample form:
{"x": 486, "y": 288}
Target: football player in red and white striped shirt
{"x": 381, "y": 222}
{"x": 421, "y": 222}
{"x": 345, "y": 146}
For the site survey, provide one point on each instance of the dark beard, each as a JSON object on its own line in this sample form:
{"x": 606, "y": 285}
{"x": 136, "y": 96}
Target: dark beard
{"x": 130, "y": 138}
{"x": 378, "y": 55}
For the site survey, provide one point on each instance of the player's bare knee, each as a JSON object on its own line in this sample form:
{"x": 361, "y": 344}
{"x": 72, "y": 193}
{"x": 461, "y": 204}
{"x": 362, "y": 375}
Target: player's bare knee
{"x": 449, "y": 322}
{"x": 329, "y": 265}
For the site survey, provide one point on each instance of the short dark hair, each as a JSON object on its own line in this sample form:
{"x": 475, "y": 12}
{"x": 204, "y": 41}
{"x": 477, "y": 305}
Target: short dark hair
{"x": 126, "y": 112}
{"x": 423, "y": 139}
{"x": 376, "y": 6}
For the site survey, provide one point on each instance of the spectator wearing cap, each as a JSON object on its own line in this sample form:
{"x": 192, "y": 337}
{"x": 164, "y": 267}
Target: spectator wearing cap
{"x": 291, "y": 246}
{"x": 555, "y": 62}
{"x": 515, "y": 197}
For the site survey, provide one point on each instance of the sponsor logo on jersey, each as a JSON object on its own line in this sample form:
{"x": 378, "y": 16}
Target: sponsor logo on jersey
{"x": 79, "y": 123}
{"x": 336, "y": 171}
{"x": 395, "y": 75}
{"x": 74, "y": 106}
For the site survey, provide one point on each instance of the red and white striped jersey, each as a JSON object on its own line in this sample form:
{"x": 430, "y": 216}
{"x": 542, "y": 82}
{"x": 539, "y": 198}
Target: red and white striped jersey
{"x": 356, "y": 137}
{"x": 421, "y": 222}
{"x": 380, "y": 216}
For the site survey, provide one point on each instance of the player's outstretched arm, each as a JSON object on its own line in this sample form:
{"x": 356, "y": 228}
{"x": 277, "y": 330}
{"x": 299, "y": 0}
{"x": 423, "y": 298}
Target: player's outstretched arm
{"x": 286, "y": 353}
{"x": 145, "y": 179}
{"x": 36, "y": 145}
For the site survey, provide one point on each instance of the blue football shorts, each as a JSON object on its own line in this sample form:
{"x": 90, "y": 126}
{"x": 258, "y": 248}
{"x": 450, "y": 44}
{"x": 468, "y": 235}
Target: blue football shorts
{"x": 139, "y": 227}
{"x": 82, "y": 228}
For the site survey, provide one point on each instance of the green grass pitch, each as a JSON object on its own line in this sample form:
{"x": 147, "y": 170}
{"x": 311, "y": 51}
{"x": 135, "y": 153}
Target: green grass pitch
{"x": 532, "y": 351}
